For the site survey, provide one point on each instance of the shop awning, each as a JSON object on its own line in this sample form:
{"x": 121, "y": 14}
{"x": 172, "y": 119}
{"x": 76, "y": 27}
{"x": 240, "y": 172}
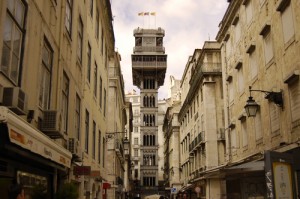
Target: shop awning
{"x": 249, "y": 166}
{"x": 186, "y": 187}
{"x": 26, "y": 136}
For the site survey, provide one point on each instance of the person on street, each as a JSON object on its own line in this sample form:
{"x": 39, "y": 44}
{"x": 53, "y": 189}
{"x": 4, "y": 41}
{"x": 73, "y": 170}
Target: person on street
{"x": 16, "y": 191}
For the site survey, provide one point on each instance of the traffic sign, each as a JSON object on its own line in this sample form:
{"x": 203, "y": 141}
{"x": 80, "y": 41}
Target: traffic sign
{"x": 174, "y": 190}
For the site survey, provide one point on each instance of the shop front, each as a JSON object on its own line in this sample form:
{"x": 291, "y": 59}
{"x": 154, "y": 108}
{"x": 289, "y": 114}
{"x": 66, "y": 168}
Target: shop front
{"x": 30, "y": 157}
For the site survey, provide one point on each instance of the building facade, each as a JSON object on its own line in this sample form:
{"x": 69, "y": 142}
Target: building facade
{"x": 55, "y": 59}
{"x": 116, "y": 131}
{"x": 260, "y": 44}
{"x": 135, "y": 188}
{"x": 202, "y": 139}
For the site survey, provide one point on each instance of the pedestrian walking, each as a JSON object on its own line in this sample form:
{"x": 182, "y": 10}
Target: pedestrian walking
{"x": 16, "y": 191}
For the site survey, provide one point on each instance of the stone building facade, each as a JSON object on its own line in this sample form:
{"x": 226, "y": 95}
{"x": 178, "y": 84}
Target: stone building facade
{"x": 135, "y": 188}
{"x": 202, "y": 139}
{"x": 260, "y": 46}
{"x": 55, "y": 58}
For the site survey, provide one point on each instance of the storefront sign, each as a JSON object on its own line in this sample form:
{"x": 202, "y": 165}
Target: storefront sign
{"x": 95, "y": 173}
{"x": 31, "y": 139}
{"x": 82, "y": 170}
{"x": 279, "y": 175}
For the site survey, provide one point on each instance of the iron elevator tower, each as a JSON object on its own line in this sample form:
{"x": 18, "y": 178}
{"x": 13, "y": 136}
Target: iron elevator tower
{"x": 149, "y": 64}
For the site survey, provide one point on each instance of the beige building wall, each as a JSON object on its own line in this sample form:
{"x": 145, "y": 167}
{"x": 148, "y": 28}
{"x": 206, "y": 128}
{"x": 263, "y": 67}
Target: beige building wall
{"x": 78, "y": 84}
{"x": 202, "y": 139}
{"x": 116, "y": 130}
{"x": 260, "y": 49}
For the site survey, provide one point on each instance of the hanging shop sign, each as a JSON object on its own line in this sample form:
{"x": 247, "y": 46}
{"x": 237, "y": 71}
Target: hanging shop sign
{"x": 82, "y": 170}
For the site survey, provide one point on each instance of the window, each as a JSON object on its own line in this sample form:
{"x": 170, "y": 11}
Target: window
{"x": 99, "y": 147}
{"x": 237, "y": 31}
{"x": 274, "y": 118}
{"x": 13, "y": 34}
{"x": 80, "y": 39}
{"x": 233, "y": 138}
{"x": 249, "y": 11}
{"x": 95, "y": 79}
{"x": 87, "y": 121}
{"x": 149, "y": 159}
{"x": 240, "y": 76}
{"x": 91, "y": 7}
{"x": 287, "y": 24}
{"x": 97, "y": 24}
{"x": 103, "y": 149}
{"x": 77, "y": 116}
{"x": 65, "y": 102}
{"x": 136, "y": 141}
{"x": 106, "y": 57}
{"x": 294, "y": 91}
{"x": 244, "y": 132}
{"x": 68, "y": 22}
{"x": 94, "y": 140}
{"x": 136, "y": 153}
{"x": 102, "y": 41}
{"x": 228, "y": 45}
{"x": 258, "y": 127}
{"x": 100, "y": 92}
{"x": 45, "y": 76}
{"x": 231, "y": 91}
{"x": 104, "y": 100}
{"x": 89, "y": 62}
{"x": 136, "y": 129}
{"x": 149, "y": 140}
{"x": 253, "y": 64}
{"x": 268, "y": 45}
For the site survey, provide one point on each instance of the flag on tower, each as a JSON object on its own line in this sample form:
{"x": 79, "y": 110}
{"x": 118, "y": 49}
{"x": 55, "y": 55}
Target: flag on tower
{"x": 140, "y": 14}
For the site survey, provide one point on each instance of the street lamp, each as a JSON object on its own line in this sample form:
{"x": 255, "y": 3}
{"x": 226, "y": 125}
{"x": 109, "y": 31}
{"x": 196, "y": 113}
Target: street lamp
{"x": 251, "y": 106}
{"x": 111, "y": 135}
{"x": 126, "y": 145}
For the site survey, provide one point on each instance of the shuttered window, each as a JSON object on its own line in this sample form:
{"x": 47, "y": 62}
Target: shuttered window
{"x": 274, "y": 118}
{"x": 257, "y": 120}
{"x": 294, "y": 91}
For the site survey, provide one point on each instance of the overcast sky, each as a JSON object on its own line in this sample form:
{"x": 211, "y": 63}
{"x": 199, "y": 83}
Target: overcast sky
{"x": 187, "y": 24}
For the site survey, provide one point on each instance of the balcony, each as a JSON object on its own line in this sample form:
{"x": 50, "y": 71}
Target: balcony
{"x": 158, "y": 31}
{"x": 160, "y": 49}
{"x": 119, "y": 150}
{"x": 149, "y": 64}
{"x": 149, "y": 167}
{"x": 204, "y": 69}
{"x": 197, "y": 142}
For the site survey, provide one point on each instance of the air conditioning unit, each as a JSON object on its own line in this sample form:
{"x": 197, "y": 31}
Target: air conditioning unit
{"x": 52, "y": 124}
{"x": 14, "y": 99}
{"x": 74, "y": 147}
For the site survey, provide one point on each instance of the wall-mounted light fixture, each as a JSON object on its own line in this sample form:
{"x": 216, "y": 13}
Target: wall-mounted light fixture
{"x": 111, "y": 135}
{"x": 251, "y": 106}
